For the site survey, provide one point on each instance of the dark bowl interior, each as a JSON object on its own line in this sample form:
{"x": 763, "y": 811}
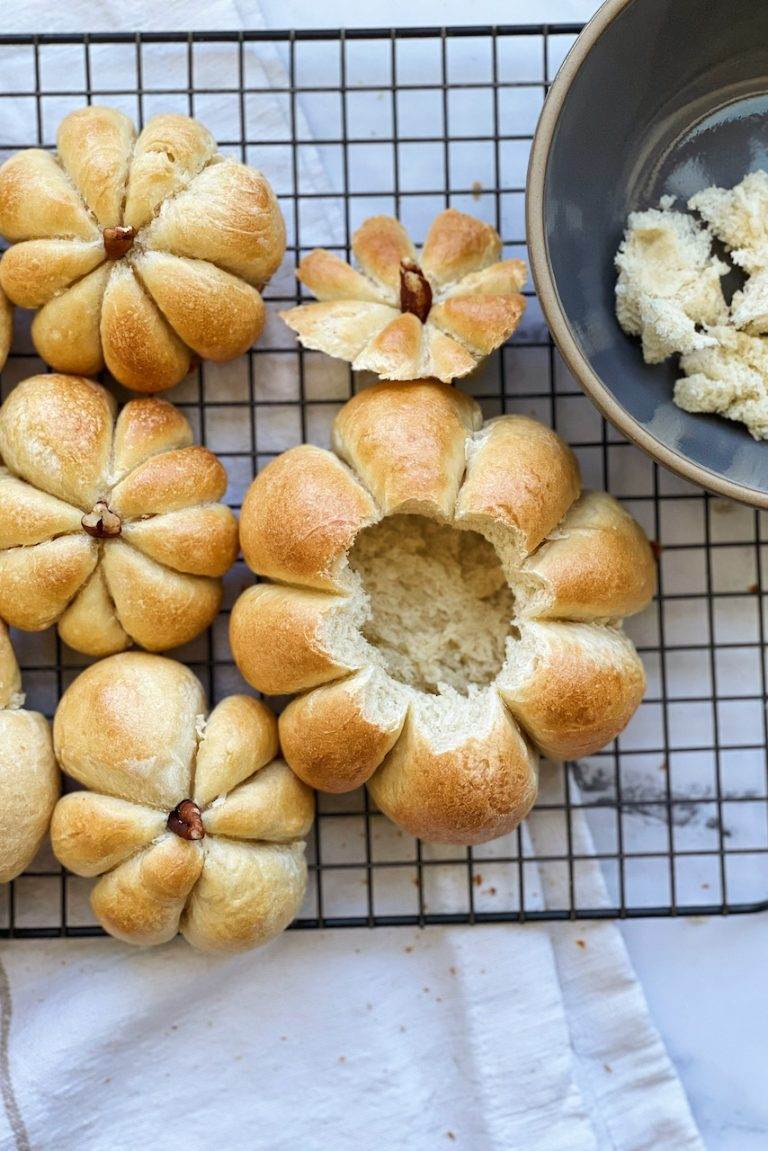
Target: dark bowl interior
{"x": 671, "y": 98}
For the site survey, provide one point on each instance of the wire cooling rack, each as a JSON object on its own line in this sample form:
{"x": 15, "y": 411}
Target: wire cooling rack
{"x": 670, "y": 819}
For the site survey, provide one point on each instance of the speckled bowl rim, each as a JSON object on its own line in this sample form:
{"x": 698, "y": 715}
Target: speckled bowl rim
{"x": 548, "y": 295}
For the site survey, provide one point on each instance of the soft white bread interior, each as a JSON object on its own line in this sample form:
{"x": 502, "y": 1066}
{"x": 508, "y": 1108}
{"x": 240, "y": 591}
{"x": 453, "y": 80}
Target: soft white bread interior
{"x": 668, "y": 286}
{"x": 191, "y": 822}
{"x": 29, "y": 776}
{"x": 442, "y": 610}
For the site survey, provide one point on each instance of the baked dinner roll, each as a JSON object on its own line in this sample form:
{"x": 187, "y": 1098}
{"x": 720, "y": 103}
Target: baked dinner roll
{"x": 29, "y": 777}
{"x": 407, "y": 316}
{"x": 6, "y": 328}
{"x": 110, "y": 525}
{"x": 139, "y": 253}
{"x": 191, "y": 823}
{"x": 446, "y": 604}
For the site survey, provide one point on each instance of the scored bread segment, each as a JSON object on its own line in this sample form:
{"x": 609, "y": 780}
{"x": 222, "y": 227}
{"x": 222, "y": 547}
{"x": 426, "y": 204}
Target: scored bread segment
{"x": 572, "y": 686}
{"x": 300, "y": 517}
{"x": 596, "y": 565}
{"x": 407, "y": 443}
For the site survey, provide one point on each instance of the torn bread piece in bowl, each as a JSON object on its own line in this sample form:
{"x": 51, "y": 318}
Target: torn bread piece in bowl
{"x": 445, "y": 603}
{"x": 192, "y": 823}
{"x": 110, "y": 524}
{"x": 30, "y": 782}
{"x": 407, "y": 316}
{"x": 139, "y": 253}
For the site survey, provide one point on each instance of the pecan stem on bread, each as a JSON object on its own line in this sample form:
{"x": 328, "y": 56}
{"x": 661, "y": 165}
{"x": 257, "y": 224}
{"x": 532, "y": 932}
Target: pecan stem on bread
{"x": 415, "y": 290}
{"x": 186, "y": 821}
{"x": 101, "y": 522}
{"x": 118, "y": 241}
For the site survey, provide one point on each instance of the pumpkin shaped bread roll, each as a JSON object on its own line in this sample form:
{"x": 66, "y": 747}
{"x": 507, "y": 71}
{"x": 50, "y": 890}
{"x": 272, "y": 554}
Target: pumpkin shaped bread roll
{"x": 139, "y": 253}
{"x": 29, "y": 776}
{"x": 189, "y": 820}
{"x": 110, "y": 523}
{"x": 444, "y": 602}
{"x": 407, "y": 316}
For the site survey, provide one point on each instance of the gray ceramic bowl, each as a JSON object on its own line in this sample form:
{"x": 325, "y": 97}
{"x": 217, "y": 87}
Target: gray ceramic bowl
{"x": 656, "y": 97}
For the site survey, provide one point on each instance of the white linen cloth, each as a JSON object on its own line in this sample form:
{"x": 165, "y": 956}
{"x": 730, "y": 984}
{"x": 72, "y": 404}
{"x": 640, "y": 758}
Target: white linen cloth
{"x": 490, "y": 1038}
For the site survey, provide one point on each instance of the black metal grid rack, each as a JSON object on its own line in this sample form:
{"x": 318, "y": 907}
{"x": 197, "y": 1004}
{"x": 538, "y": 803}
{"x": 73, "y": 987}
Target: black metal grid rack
{"x": 673, "y": 817}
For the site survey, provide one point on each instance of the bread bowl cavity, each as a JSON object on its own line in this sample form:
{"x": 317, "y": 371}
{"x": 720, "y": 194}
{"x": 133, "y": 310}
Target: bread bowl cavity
{"x": 419, "y": 577}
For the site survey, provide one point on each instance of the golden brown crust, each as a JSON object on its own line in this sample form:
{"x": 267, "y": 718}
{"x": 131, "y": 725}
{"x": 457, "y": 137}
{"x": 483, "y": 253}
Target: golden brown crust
{"x": 334, "y": 738}
{"x": 154, "y": 585}
{"x": 56, "y": 432}
{"x": 94, "y": 145}
{"x": 229, "y": 216}
{"x": 146, "y": 427}
{"x": 90, "y": 623}
{"x": 10, "y": 676}
{"x": 503, "y": 279}
{"x": 240, "y": 738}
{"x": 473, "y": 791}
{"x": 140, "y": 348}
{"x": 269, "y": 880}
{"x": 459, "y": 769}
{"x": 409, "y": 323}
{"x": 37, "y": 583}
{"x": 38, "y": 202}
{"x": 6, "y": 326}
{"x": 481, "y": 323}
{"x": 199, "y": 541}
{"x": 141, "y": 901}
{"x": 133, "y": 727}
{"x": 168, "y": 154}
{"x": 277, "y": 640}
{"x": 127, "y": 727}
{"x": 66, "y": 331}
{"x": 395, "y": 353}
{"x": 200, "y": 231}
{"x": 299, "y": 517}
{"x": 30, "y": 516}
{"x": 521, "y": 478}
{"x": 214, "y": 313}
{"x": 328, "y": 277}
{"x": 597, "y": 565}
{"x": 92, "y": 833}
{"x": 273, "y": 805}
{"x": 576, "y": 688}
{"x": 33, "y": 272}
{"x": 169, "y": 481}
{"x": 379, "y": 245}
{"x": 406, "y": 442}
{"x": 29, "y": 787}
{"x": 458, "y": 244}
{"x": 159, "y": 608}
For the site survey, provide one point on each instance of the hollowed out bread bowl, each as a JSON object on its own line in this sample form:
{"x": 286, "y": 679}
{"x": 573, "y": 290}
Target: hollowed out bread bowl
{"x": 139, "y": 253}
{"x": 110, "y": 524}
{"x": 191, "y": 822}
{"x": 445, "y": 604}
{"x": 29, "y": 777}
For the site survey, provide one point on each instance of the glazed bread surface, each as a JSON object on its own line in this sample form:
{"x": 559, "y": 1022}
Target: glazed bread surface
{"x": 110, "y": 523}
{"x": 189, "y": 820}
{"x": 139, "y": 253}
{"x": 444, "y": 602}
